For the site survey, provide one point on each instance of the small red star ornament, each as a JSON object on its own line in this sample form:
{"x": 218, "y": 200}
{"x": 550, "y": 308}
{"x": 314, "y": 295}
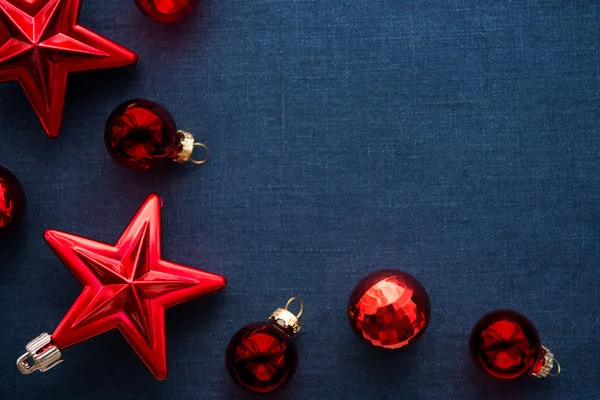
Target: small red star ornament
{"x": 41, "y": 42}
{"x": 126, "y": 286}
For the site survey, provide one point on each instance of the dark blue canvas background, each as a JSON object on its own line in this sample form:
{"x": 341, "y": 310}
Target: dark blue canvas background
{"x": 456, "y": 140}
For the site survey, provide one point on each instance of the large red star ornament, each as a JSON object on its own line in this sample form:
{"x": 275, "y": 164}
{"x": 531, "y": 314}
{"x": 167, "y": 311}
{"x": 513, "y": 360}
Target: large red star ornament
{"x": 127, "y": 286}
{"x": 41, "y": 42}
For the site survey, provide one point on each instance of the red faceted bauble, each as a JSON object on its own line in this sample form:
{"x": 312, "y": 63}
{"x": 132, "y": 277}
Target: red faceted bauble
{"x": 166, "y": 10}
{"x": 506, "y": 345}
{"x": 12, "y": 201}
{"x": 41, "y": 43}
{"x": 141, "y": 134}
{"x": 389, "y": 309}
{"x": 261, "y": 357}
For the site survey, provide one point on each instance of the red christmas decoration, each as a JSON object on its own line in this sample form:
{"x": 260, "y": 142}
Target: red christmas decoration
{"x": 141, "y": 134}
{"x": 12, "y": 201}
{"x": 127, "y": 286}
{"x": 506, "y": 345}
{"x": 389, "y": 309}
{"x": 41, "y": 43}
{"x": 262, "y": 356}
{"x": 166, "y": 10}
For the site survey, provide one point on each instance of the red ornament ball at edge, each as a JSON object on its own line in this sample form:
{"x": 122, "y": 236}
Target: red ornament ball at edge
{"x": 505, "y": 344}
{"x": 261, "y": 357}
{"x": 166, "y": 10}
{"x": 389, "y": 309}
{"x": 12, "y": 201}
{"x": 141, "y": 134}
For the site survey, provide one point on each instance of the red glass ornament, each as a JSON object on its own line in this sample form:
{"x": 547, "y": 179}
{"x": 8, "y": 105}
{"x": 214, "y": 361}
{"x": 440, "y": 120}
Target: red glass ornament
{"x": 389, "y": 309}
{"x": 262, "y": 356}
{"x": 166, "y": 10}
{"x": 141, "y": 134}
{"x": 41, "y": 43}
{"x": 128, "y": 286}
{"x": 12, "y": 201}
{"x": 506, "y": 345}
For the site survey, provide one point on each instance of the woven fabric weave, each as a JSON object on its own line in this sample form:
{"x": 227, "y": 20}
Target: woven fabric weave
{"x": 455, "y": 140}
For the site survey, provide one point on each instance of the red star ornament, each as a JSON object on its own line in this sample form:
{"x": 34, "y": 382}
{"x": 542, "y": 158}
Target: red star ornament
{"x": 41, "y": 42}
{"x": 127, "y": 286}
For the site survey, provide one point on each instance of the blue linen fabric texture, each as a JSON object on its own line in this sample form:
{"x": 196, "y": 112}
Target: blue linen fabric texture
{"x": 455, "y": 140}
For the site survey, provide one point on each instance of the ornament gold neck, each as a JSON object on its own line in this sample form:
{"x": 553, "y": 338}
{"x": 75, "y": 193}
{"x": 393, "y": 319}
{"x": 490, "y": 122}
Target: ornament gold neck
{"x": 187, "y": 149}
{"x": 286, "y": 320}
{"x": 549, "y": 365}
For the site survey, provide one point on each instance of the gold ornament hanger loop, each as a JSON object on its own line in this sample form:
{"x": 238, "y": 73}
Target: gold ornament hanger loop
{"x": 290, "y": 301}
{"x": 286, "y": 320}
{"x": 188, "y": 146}
{"x": 558, "y": 369}
{"x": 206, "y": 154}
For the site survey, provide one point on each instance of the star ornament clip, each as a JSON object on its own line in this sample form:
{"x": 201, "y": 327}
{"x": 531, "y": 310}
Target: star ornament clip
{"x": 41, "y": 43}
{"x": 126, "y": 286}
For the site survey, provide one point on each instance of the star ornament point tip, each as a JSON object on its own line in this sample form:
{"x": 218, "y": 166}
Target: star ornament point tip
{"x": 127, "y": 287}
{"x": 41, "y": 43}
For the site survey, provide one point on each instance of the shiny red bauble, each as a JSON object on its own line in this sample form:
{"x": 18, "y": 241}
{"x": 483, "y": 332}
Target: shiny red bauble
{"x": 166, "y": 10}
{"x": 141, "y": 134}
{"x": 506, "y": 345}
{"x": 389, "y": 309}
{"x": 261, "y": 357}
{"x": 12, "y": 201}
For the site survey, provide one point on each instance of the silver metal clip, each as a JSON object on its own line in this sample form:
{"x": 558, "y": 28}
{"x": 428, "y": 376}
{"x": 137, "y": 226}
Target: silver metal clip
{"x": 43, "y": 354}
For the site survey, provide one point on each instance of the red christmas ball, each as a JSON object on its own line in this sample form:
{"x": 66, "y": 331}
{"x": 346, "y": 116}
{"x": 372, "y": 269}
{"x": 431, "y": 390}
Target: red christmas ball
{"x": 261, "y": 357}
{"x": 166, "y": 10}
{"x": 12, "y": 201}
{"x": 389, "y": 309}
{"x": 506, "y": 345}
{"x": 141, "y": 134}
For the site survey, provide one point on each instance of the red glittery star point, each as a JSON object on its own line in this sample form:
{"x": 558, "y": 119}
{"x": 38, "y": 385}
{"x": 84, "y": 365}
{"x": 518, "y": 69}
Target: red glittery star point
{"x": 127, "y": 286}
{"x": 41, "y": 42}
